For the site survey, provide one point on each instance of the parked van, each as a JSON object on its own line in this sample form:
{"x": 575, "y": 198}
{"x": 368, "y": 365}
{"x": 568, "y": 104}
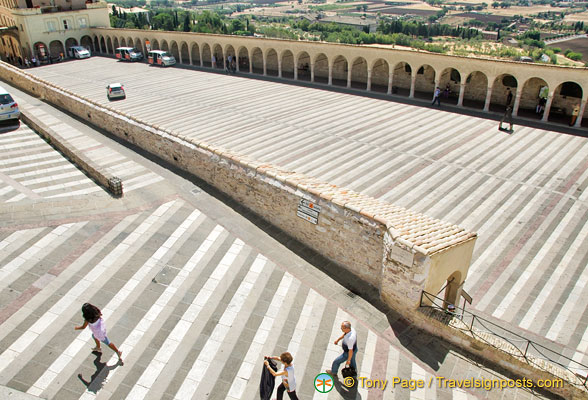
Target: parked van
{"x": 128, "y": 54}
{"x": 78, "y": 52}
{"x": 160, "y": 57}
{"x": 8, "y": 107}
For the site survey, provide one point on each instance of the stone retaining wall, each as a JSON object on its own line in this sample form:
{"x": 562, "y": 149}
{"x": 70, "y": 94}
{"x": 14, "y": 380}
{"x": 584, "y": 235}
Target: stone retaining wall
{"x": 354, "y": 230}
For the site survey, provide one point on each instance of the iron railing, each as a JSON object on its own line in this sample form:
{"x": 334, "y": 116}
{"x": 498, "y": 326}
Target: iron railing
{"x": 507, "y": 341}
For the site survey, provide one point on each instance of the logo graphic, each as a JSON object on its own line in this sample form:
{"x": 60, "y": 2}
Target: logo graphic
{"x": 349, "y": 381}
{"x": 323, "y": 383}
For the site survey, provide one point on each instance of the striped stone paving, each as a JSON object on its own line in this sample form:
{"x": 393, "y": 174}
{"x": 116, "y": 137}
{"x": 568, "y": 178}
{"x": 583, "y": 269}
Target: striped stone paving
{"x": 193, "y": 294}
{"x": 525, "y": 194}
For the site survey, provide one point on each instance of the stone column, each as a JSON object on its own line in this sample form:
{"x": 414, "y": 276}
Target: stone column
{"x": 190, "y": 55}
{"x": 390, "y": 81}
{"x": 547, "y": 107}
{"x": 250, "y": 62}
{"x": 264, "y": 66}
{"x": 412, "y": 85}
{"x": 330, "y": 67}
{"x": 201, "y": 59}
{"x": 369, "y": 81}
{"x": 295, "y": 72}
{"x": 515, "y": 107}
{"x": 579, "y": 119}
{"x": 279, "y": 68}
{"x": 461, "y": 94}
{"x": 237, "y": 62}
{"x": 349, "y": 78}
{"x": 488, "y": 97}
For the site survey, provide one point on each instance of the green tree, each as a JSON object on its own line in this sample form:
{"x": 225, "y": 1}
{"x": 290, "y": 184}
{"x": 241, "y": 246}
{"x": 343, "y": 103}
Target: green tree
{"x": 114, "y": 11}
{"x": 187, "y": 23}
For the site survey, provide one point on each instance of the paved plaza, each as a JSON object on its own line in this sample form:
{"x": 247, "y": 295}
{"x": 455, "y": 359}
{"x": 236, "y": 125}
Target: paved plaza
{"x": 195, "y": 292}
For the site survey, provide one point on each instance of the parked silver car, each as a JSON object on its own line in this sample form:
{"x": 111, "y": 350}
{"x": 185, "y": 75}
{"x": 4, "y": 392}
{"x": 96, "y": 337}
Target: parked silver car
{"x": 8, "y": 107}
{"x": 115, "y": 91}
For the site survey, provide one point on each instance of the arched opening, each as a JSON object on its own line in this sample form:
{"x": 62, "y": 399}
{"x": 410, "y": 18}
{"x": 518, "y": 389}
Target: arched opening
{"x": 69, "y": 43}
{"x": 109, "y": 46}
{"x": 476, "y": 86}
{"x": 424, "y": 84}
{"x": 139, "y": 46}
{"x": 500, "y": 92}
{"x": 206, "y": 55}
{"x": 257, "y": 60}
{"x": 303, "y": 65}
{"x": 339, "y": 71}
{"x": 123, "y": 42}
{"x": 164, "y": 46}
{"x": 86, "y": 41}
{"x": 321, "y": 69}
{"x": 243, "y": 60}
{"x": 131, "y": 43}
{"x": 155, "y": 45}
{"x": 401, "y": 79}
{"x": 380, "y": 76}
{"x": 449, "y": 83}
{"x": 97, "y": 44}
{"x": 271, "y": 63}
{"x": 56, "y": 48}
{"x": 565, "y": 97}
{"x": 41, "y": 51}
{"x": 230, "y": 52}
{"x": 195, "y": 54}
{"x": 175, "y": 51}
{"x": 533, "y": 98}
{"x": 218, "y": 56}
{"x": 359, "y": 70}
{"x": 116, "y": 43}
{"x": 288, "y": 64}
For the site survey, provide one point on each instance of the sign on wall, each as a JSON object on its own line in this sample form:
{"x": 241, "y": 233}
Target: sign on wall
{"x": 309, "y": 211}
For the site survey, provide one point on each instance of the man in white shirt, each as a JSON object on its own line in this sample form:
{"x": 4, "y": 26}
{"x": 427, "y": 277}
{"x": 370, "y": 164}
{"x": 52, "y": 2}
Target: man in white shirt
{"x": 349, "y": 345}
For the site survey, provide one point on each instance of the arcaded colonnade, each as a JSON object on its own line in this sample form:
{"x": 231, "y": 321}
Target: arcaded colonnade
{"x": 476, "y": 83}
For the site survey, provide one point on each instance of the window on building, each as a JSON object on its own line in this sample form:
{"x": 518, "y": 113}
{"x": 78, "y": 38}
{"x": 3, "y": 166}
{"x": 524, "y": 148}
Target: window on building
{"x": 65, "y": 24}
{"x": 51, "y": 27}
{"x": 83, "y": 22}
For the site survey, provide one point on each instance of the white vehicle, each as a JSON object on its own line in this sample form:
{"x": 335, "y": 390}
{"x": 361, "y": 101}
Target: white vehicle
{"x": 115, "y": 91}
{"x": 160, "y": 57}
{"x": 78, "y": 52}
{"x": 8, "y": 107}
{"x": 128, "y": 54}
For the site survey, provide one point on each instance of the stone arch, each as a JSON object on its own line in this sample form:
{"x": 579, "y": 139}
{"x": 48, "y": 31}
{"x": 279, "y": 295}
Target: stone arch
{"x": 402, "y": 79}
{"x": 230, "y": 51}
{"x": 123, "y": 42}
{"x": 96, "y": 44}
{"x": 86, "y": 41}
{"x": 339, "y": 71}
{"x": 56, "y": 48}
{"x": 139, "y": 46}
{"x": 41, "y": 50}
{"x": 195, "y": 54}
{"x": 175, "y": 51}
{"x": 131, "y": 43}
{"x": 70, "y": 42}
{"x": 424, "y": 84}
{"x": 303, "y": 64}
{"x": 450, "y": 78}
{"x": 271, "y": 63}
{"x": 530, "y": 97}
{"x": 321, "y": 68}
{"x": 103, "y": 45}
{"x": 217, "y": 51}
{"x": 164, "y": 45}
{"x": 184, "y": 53}
{"x": 155, "y": 45}
{"x": 499, "y": 92}
{"x": 565, "y": 96}
{"x": 288, "y": 64}
{"x": 476, "y": 87}
{"x": 243, "y": 59}
{"x": 453, "y": 289}
{"x": 109, "y": 49}
{"x": 257, "y": 60}
{"x": 359, "y": 72}
{"x": 380, "y": 75}
{"x": 116, "y": 43}
{"x": 206, "y": 55}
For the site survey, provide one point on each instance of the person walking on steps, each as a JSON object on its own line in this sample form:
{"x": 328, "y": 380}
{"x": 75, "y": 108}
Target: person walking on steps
{"x": 507, "y": 117}
{"x": 93, "y": 317}
{"x": 349, "y": 344}
{"x": 437, "y": 97}
{"x": 288, "y": 379}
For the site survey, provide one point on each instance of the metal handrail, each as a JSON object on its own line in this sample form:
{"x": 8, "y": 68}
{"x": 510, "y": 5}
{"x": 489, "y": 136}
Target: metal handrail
{"x": 520, "y": 351}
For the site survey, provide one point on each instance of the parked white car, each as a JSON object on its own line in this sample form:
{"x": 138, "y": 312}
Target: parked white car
{"x": 78, "y": 52}
{"x": 8, "y": 107}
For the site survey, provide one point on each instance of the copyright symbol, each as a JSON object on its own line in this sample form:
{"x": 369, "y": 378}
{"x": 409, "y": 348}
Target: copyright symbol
{"x": 349, "y": 381}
